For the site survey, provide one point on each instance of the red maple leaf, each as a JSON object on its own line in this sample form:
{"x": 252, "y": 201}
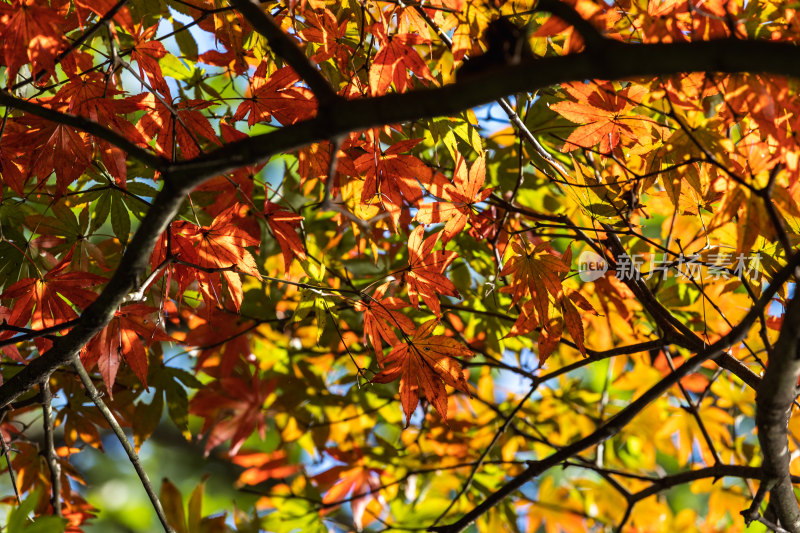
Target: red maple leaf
{"x": 100, "y": 8}
{"x": 229, "y": 189}
{"x": 15, "y": 156}
{"x": 233, "y": 408}
{"x": 120, "y": 339}
{"x": 425, "y": 274}
{"x": 569, "y": 303}
{"x": 220, "y": 247}
{"x": 381, "y": 317}
{"x": 276, "y": 97}
{"x": 33, "y": 33}
{"x": 462, "y": 195}
{"x": 425, "y": 363}
{"x": 52, "y": 147}
{"x": 90, "y": 96}
{"x": 220, "y": 336}
{"x": 10, "y": 350}
{"x": 283, "y": 225}
{"x": 50, "y": 300}
{"x": 186, "y": 125}
{"x": 394, "y": 59}
{"x": 146, "y": 51}
{"x": 394, "y": 176}
{"x": 67, "y": 151}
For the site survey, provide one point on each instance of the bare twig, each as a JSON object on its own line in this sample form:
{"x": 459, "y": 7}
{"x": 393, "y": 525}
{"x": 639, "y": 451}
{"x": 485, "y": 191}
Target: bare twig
{"x": 11, "y": 473}
{"x": 50, "y": 448}
{"x": 94, "y": 395}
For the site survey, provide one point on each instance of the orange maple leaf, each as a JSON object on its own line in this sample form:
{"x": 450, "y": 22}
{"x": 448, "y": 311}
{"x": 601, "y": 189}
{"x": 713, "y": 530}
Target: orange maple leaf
{"x": 462, "y": 195}
{"x": 599, "y": 16}
{"x": 395, "y": 58}
{"x": 283, "y": 225}
{"x": 121, "y": 339}
{"x": 323, "y": 28}
{"x": 425, "y": 362}
{"x": 526, "y": 322}
{"x": 394, "y": 176}
{"x": 601, "y": 109}
{"x": 260, "y": 466}
{"x": 358, "y": 482}
{"x": 425, "y": 274}
{"x": 276, "y": 97}
{"x": 33, "y": 32}
{"x": 381, "y": 317}
{"x": 536, "y": 273}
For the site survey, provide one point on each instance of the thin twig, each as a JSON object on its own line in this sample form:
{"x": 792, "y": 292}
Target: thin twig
{"x": 11, "y": 474}
{"x": 94, "y": 395}
{"x": 50, "y": 449}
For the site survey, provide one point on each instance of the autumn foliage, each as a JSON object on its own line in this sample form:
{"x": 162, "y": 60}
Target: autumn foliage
{"x": 498, "y": 266}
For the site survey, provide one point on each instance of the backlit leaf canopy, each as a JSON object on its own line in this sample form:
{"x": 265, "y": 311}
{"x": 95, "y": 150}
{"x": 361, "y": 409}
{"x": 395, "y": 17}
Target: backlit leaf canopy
{"x": 399, "y": 266}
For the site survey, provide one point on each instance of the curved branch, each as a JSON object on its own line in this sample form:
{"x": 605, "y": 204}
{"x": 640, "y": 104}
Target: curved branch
{"x": 608, "y": 60}
{"x": 716, "y": 472}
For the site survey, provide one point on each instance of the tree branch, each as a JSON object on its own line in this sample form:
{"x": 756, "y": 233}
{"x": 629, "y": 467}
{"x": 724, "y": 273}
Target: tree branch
{"x": 86, "y": 125}
{"x": 50, "y": 447}
{"x": 567, "y": 13}
{"x": 616, "y": 61}
{"x": 774, "y": 400}
{"x": 95, "y": 317}
{"x": 283, "y": 46}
